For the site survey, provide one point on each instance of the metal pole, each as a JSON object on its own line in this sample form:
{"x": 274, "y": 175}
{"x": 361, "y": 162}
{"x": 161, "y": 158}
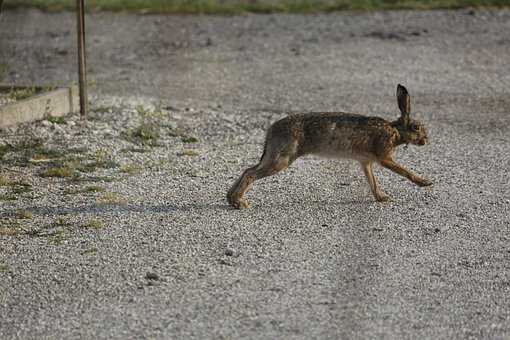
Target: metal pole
{"x": 82, "y": 65}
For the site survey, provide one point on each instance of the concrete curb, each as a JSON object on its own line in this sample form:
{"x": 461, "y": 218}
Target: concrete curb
{"x": 54, "y": 103}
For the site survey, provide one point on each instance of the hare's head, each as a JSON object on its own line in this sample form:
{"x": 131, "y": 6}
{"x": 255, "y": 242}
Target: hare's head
{"x": 411, "y": 131}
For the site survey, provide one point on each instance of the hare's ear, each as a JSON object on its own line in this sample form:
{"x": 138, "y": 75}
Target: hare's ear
{"x": 404, "y": 101}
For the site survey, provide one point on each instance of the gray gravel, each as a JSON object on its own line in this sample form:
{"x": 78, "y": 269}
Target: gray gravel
{"x": 315, "y": 256}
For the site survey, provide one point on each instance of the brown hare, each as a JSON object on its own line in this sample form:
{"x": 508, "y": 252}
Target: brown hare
{"x": 337, "y": 135}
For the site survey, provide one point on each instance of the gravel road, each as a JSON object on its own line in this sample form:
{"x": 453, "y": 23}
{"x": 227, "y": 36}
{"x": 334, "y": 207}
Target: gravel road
{"x": 135, "y": 240}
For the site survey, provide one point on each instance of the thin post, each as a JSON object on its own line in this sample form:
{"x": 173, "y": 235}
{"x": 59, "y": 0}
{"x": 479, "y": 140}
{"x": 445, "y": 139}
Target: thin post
{"x": 82, "y": 65}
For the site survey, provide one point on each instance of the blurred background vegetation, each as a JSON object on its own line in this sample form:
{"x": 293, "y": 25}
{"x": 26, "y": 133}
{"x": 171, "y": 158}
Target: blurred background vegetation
{"x": 251, "y": 6}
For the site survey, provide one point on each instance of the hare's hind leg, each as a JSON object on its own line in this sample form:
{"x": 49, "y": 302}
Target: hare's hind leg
{"x": 372, "y": 181}
{"x": 271, "y": 163}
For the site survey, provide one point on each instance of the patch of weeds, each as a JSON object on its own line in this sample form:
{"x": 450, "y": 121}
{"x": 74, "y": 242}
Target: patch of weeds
{"x": 58, "y": 237}
{"x": 24, "y": 215}
{"x": 34, "y": 152}
{"x": 103, "y": 160}
{"x": 70, "y": 167}
{"x": 20, "y": 188}
{"x": 48, "y": 88}
{"x": 87, "y": 190}
{"x": 147, "y": 134}
{"x": 112, "y": 198}
{"x": 189, "y": 139}
{"x": 10, "y": 228}
{"x": 4, "y": 181}
{"x": 92, "y": 83}
{"x": 9, "y": 231}
{"x": 61, "y": 232}
{"x": 21, "y": 94}
{"x": 44, "y": 155}
{"x": 142, "y": 111}
{"x": 8, "y": 197}
{"x": 21, "y": 147}
{"x": 95, "y": 165}
{"x": 56, "y": 120}
{"x": 65, "y": 171}
{"x": 17, "y": 188}
{"x": 61, "y": 222}
{"x": 131, "y": 169}
{"x": 103, "y": 109}
{"x": 94, "y": 223}
{"x": 188, "y": 152}
{"x": 94, "y": 188}
{"x": 147, "y": 113}
{"x": 91, "y": 251}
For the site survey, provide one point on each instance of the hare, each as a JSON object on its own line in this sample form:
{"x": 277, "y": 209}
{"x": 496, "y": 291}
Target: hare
{"x": 368, "y": 140}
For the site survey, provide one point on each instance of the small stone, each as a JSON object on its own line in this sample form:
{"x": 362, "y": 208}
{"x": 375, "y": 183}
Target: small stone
{"x": 223, "y": 262}
{"x": 151, "y": 276}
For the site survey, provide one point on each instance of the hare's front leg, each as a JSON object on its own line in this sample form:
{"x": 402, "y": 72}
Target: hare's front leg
{"x": 397, "y": 168}
{"x": 372, "y": 181}
{"x": 269, "y": 165}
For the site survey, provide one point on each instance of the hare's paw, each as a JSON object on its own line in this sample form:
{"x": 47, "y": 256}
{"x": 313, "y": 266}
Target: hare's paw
{"x": 422, "y": 182}
{"x": 240, "y": 203}
{"x": 236, "y": 201}
{"x": 382, "y": 197}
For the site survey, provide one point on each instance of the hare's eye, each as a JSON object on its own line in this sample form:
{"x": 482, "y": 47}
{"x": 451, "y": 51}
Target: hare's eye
{"x": 415, "y": 127}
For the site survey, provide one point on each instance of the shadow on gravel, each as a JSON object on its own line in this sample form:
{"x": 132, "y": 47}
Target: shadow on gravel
{"x": 98, "y": 209}
{"x": 171, "y": 208}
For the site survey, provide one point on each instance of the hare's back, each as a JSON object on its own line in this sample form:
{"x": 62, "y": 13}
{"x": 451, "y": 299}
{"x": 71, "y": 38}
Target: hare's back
{"x": 341, "y": 135}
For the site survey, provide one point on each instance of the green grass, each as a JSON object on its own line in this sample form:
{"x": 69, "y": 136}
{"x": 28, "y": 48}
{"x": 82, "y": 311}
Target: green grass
{"x": 94, "y": 223}
{"x": 56, "y": 120}
{"x": 112, "y": 198}
{"x": 21, "y": 94}
{"x": 16, "y": 189}
{"x": 189, "y": 139}
{"x": 253, "y": 6}
{"x": 131, "y": 169}
{"x": 146, "y": 134}
{"x": 64, "y": 171}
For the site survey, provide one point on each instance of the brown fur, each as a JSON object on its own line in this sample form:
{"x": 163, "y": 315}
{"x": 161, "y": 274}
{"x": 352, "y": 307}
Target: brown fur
{"x": 338, "y": 135}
